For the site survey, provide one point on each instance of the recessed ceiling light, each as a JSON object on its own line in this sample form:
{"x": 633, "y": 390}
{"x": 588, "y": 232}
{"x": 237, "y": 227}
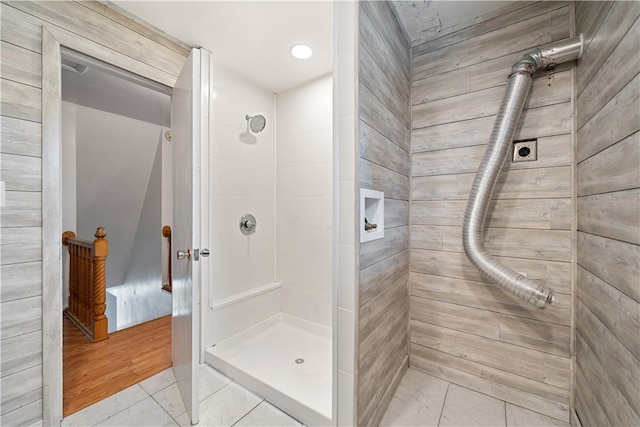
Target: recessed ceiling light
{"x": 301, "y": 51}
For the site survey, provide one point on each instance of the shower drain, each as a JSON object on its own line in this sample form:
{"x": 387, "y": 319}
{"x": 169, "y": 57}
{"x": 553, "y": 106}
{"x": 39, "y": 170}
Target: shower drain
{"x": 299, "y": 360}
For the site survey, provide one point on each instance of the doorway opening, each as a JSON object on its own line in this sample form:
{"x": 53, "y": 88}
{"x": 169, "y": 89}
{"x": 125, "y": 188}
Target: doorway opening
{"x": 116, "y": 174}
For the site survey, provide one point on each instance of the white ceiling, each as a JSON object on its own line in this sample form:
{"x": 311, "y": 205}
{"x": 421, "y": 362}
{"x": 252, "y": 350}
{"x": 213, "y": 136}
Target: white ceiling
{"x": 254, "y": 37}
{"x": 101, "y": 90}
{"x": 251, "y": 37}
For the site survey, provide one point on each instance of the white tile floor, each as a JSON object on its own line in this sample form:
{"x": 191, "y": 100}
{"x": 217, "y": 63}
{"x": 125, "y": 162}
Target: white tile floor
{"x": 157, "y": 402}
{"x": 421, "y": 400}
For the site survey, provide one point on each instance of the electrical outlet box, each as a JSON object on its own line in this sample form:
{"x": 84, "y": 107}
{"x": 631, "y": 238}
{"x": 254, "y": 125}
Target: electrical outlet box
{"x": 525, "y": 150}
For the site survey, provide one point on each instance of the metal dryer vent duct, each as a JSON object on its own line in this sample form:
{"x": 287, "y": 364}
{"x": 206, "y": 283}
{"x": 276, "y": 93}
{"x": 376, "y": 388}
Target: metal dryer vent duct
{"x": 499, "y": 143}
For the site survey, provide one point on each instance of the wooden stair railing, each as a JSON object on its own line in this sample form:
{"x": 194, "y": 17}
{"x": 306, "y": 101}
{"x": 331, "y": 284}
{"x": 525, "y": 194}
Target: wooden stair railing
{"x": 88, "y": 284}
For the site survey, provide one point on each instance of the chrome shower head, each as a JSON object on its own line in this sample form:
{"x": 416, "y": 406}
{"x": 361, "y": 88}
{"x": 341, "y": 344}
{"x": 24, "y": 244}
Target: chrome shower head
{"x": 256, "y": 123}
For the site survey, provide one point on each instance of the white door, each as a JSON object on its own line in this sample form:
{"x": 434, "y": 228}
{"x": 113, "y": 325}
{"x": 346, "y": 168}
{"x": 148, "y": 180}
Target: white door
{"x": 189, "y": 137}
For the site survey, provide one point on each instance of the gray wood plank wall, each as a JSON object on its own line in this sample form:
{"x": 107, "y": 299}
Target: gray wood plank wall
{"x": 464, "y": 329}
{"x": 384, "y": 160}
{"x": 608, "y": 187}
{"x": 20, "y": 168}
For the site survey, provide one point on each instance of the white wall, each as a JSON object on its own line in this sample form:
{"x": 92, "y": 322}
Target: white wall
{"x": 304, "y": 200}
{"x": 113, "y": 178}
{"x": 145, "y": 263}
{"x": 115, "y": 156}
{"x": 242, "y": 181}
{"x": 140, "y": 298}
{"x": 68, "y": 135}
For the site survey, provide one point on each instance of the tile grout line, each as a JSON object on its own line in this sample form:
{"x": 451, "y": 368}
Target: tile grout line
{"x": 159, "y": 404}
{"x": 218, "y": 390}
{"x": 247, "y": 413}
{"x": 162, "y": 407}
{"x": 200, "y": 400}
{"x": 444, "y": 401}
{"x": 123, "y": 409}
{"x": 505, "y": 412}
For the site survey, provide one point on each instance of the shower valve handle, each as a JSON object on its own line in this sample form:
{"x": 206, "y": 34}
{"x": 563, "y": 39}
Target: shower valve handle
{"x": 248, "y": 224}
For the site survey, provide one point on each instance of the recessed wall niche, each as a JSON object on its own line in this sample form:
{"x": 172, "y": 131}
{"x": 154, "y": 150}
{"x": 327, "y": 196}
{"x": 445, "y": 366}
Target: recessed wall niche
{"x": 371, "y": 215}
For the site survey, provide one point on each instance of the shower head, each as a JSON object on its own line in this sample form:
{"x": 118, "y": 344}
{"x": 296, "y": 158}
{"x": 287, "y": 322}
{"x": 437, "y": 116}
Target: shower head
{"x": 256, "y": 123}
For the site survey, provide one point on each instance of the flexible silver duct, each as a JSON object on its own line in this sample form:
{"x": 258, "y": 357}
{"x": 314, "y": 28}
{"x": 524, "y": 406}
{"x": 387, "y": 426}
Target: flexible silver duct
{"x": 499, "y": 146}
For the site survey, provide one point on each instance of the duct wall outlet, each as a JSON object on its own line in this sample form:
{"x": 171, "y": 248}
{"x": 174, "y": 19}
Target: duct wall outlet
{"x": 525, "y": 151}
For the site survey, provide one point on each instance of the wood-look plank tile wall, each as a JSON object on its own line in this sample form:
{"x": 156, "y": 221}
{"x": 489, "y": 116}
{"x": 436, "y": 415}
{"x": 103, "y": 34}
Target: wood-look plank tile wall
{"x": 608, "y": 187}
{"x": 384, "y": 162}
{"x": 20, "y": 169}
{"x": 464, "y": 329}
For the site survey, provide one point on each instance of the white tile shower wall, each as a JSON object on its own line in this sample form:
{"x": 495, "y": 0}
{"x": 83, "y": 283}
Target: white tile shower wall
{"x": 345, "y": 147}
{"x": 235, "y": 318}
{"x": 346, "y": 340}
{"x": 305, "y": 109}
{"x": 345, "y": 399}
{"x": 304, "y": 199}
{"x": 241, "y": 182}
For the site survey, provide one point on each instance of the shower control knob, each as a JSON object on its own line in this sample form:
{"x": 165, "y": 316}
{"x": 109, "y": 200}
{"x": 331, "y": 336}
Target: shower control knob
{"x": 248, "y": 224}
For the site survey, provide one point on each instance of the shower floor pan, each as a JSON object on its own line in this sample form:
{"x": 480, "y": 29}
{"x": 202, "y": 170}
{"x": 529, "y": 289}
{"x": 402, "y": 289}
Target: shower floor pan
{"x": 284, "y": 359}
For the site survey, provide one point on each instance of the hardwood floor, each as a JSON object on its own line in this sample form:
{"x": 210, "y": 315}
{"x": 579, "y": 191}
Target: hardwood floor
{"x": 94, "y": 371}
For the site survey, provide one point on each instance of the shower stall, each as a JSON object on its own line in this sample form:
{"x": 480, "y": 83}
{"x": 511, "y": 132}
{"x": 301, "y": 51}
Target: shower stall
{"x": 268, "y": 305}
